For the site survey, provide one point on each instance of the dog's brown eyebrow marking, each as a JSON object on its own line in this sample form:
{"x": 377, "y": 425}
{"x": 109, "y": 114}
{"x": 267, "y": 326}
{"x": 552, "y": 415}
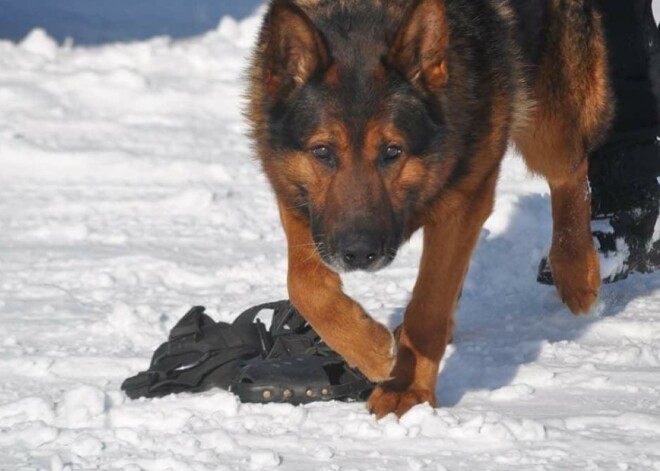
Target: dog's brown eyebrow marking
{"x": 378, "y": 133}
{"x": 331, "y": 132}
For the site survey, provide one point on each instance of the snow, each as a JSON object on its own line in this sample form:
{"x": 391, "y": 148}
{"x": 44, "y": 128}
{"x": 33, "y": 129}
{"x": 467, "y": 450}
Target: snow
{"x": 128, "y": 193}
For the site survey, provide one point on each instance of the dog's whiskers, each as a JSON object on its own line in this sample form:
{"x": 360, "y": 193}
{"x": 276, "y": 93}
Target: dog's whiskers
{"x": 301, "y": 205}
{"x": 319, "y": 249}
{"x": 297, "y": 246}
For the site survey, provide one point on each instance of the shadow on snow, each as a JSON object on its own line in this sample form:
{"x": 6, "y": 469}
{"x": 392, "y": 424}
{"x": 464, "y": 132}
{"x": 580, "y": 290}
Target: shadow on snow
{"x": 505, "y": 317}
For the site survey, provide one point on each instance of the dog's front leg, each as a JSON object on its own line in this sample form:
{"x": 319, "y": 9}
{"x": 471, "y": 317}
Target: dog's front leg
{"x": 341, "y": 322}
{"x": 450, "y": 235}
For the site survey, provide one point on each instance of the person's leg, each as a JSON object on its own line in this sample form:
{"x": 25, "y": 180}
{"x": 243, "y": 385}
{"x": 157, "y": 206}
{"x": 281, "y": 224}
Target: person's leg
{"x": 623, "y": 170}
{"x": 630, "y": 153}
{"x": 631, "y": 37}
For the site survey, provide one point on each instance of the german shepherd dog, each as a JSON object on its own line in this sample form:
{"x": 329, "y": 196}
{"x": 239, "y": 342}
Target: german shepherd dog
{"x": 376, "y": 118}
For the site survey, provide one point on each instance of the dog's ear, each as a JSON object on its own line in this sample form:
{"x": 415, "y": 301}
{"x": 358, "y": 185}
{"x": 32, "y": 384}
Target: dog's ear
{"x": 418, "y": 50}
{"x": 295, "y": 49}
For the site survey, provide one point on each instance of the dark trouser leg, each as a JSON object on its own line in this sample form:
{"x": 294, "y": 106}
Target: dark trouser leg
{"x": 629, "y": 27}
{"x": 623, "y": 171}
{"x": 630, "y": 153}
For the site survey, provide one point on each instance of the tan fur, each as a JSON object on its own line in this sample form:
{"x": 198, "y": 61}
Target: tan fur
{"x": 554, "y": 121}
{"x": 329, "y": 310}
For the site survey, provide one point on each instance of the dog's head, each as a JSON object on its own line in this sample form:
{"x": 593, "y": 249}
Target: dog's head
{"x": 354, "y": 122}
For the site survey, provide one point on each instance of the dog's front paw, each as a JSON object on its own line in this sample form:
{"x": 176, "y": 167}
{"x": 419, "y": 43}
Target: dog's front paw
{"x": 577, "y": 280}
{"x": 386, "y": 399}
{"x": 378, "y": 354}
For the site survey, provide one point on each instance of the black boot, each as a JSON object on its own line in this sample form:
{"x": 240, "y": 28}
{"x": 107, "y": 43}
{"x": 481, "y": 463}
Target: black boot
{"x": 626, "y": 230}
{"x": 624, "y": 216}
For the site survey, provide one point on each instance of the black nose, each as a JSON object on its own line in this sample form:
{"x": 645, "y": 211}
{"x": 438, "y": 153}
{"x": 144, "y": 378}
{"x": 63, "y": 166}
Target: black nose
{"x": 360, "y": 251}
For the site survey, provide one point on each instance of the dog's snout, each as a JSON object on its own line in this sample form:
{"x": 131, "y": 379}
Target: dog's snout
{"x": 360, "y": 251}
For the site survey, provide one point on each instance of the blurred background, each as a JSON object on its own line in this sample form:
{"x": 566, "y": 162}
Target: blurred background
{"x": 92, "y": 22}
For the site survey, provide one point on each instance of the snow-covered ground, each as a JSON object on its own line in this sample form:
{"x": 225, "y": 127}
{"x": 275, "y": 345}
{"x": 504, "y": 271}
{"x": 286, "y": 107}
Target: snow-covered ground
{"x": 128, "y": 192}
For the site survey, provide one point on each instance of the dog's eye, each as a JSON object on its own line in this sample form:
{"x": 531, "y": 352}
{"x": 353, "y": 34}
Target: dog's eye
{"x": 324, "y": 155}
{"x": 391, "y": 154}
